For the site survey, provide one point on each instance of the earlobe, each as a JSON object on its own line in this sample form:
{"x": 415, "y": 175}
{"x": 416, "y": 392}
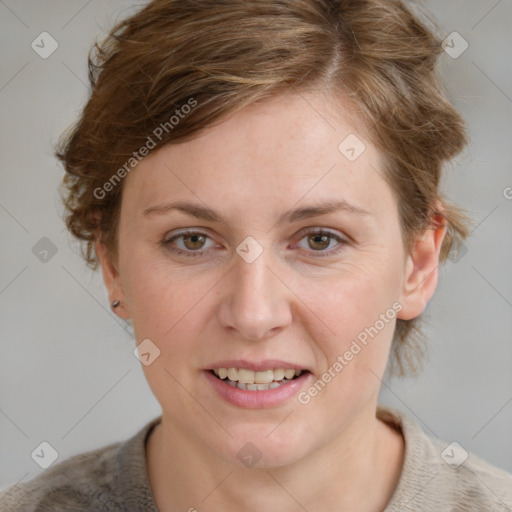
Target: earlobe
{"x": 112, "y": 280}
{"x": 421, "y": 270}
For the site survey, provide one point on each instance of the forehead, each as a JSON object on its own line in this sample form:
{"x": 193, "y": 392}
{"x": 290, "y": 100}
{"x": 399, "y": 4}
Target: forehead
{"x": 278, "y": 150}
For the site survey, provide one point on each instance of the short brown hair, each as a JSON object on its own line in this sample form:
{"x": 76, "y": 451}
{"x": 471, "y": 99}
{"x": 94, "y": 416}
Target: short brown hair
{"x": 228, "y": 54}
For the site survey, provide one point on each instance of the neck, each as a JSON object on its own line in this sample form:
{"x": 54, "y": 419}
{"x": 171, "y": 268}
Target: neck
{"x": 358, "y": 469}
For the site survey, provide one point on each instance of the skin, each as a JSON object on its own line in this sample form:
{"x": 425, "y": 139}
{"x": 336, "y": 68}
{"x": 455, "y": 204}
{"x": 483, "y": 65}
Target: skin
{"x": 332, "y": 454}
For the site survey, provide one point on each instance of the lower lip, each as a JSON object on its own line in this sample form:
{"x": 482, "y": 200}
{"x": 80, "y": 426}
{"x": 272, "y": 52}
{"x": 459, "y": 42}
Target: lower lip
{"x": 257, "y": 399}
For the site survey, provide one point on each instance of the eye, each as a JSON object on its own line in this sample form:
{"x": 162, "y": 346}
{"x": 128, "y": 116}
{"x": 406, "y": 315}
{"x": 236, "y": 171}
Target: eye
{"x": 320, "y": 239}
{"x": 193, "y": 241}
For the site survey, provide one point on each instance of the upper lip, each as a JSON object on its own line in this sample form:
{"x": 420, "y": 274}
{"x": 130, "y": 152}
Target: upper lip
{"x": 256, "y": 366}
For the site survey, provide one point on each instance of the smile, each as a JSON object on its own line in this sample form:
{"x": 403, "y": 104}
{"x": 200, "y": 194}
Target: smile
{"x": 250, "y": 380}
{"x": 258, "y": 388}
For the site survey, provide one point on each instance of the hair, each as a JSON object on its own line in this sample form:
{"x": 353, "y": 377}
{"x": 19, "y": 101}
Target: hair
{"x": 220, "y": 56}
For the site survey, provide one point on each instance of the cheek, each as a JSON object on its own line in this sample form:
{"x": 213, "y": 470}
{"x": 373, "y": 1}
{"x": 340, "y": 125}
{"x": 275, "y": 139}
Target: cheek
{"x": 167, "y": 306}
{"x": 354, "y": 322}
{"x": 163, "y": 299}
{"x": 168, "y": 302}
{"x": 353, "y": 299}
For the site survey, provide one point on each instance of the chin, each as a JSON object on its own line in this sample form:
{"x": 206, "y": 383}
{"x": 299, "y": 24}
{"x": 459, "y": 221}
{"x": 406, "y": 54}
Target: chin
{"x": 260, "y": 451}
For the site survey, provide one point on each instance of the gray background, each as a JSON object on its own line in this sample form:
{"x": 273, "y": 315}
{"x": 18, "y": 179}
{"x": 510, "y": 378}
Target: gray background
{"x": 67, "y": 372}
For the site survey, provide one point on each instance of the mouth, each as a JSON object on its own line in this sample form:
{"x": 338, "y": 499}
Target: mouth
{"x": 249, "y": 380}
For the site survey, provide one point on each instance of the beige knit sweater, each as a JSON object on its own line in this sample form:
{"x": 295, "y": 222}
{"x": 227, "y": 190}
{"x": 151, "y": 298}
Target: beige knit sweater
{"x": 114, "y": 478}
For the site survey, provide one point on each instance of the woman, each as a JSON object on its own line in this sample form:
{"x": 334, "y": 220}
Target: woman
{"x": 259, "y": 182}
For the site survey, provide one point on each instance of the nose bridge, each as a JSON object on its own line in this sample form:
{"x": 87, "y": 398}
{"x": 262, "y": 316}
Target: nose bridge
{"x": 256, "y": 301}
{"x": 254, "y": 280}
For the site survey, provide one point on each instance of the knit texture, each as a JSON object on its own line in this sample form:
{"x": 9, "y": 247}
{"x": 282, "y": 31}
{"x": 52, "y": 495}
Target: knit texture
{"x": 114, "y": 478}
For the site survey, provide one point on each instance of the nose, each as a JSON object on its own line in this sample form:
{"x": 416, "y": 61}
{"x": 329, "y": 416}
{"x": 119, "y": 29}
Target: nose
{"x": 256, "y": 303}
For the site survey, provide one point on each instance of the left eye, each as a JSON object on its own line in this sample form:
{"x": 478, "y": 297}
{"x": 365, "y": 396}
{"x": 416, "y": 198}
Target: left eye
{"x": 193, "y": 241}
{"x": 319, "y": 240}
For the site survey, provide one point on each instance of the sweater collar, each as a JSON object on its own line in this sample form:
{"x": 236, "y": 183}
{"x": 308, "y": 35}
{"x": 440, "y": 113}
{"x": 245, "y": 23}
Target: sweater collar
{"x": 132, "y": 471}
{"x": 133, "y": 479}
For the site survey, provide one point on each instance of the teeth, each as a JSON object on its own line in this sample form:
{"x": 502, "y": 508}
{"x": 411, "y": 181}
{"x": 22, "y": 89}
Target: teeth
{"x": 279, "y": 374}
{"x": 255, "y": 387}
{"x": 265, "y": 377}
{"x": 246, "y": 376}
{"x": 251, "y": 379}
{"x": 289, "y": 374}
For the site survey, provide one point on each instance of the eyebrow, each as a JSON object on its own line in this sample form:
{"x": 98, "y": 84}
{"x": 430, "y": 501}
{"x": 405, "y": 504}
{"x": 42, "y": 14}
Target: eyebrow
{"x": 292, "y": 215}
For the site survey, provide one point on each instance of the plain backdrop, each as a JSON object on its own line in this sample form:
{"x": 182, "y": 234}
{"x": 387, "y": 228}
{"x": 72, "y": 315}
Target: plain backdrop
{"x": 68, "y": 375}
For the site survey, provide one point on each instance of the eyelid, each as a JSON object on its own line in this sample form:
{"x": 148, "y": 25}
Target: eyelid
{"x": 314, "y": 229}
{"x": 167, "y": 240}
{"x": 340, "y": 239}
{"x": 310, "y": 230}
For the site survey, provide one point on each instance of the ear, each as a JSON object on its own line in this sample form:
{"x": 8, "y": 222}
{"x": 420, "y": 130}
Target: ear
{"x": 421, "y": 270}
{"x": 112, "y": 280}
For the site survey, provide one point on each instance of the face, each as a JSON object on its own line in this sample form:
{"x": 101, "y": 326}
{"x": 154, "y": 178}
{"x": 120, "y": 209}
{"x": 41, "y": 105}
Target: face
{"x": 236, "y": 279}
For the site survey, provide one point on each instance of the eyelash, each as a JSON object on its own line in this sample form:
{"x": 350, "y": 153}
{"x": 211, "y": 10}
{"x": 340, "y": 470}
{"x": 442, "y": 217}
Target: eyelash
{"x": 166, "y": 243}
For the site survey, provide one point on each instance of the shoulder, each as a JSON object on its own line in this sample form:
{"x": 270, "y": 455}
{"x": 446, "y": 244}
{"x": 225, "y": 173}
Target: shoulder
{"x": 81, "y": 482}
{"x": 468, "y": 478}
{"x": 107, "y": 479}
{"x": 440, "y": 475}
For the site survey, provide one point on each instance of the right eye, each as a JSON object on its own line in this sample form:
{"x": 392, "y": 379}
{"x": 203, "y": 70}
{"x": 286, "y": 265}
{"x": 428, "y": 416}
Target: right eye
{"x": 194, "y": 239}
